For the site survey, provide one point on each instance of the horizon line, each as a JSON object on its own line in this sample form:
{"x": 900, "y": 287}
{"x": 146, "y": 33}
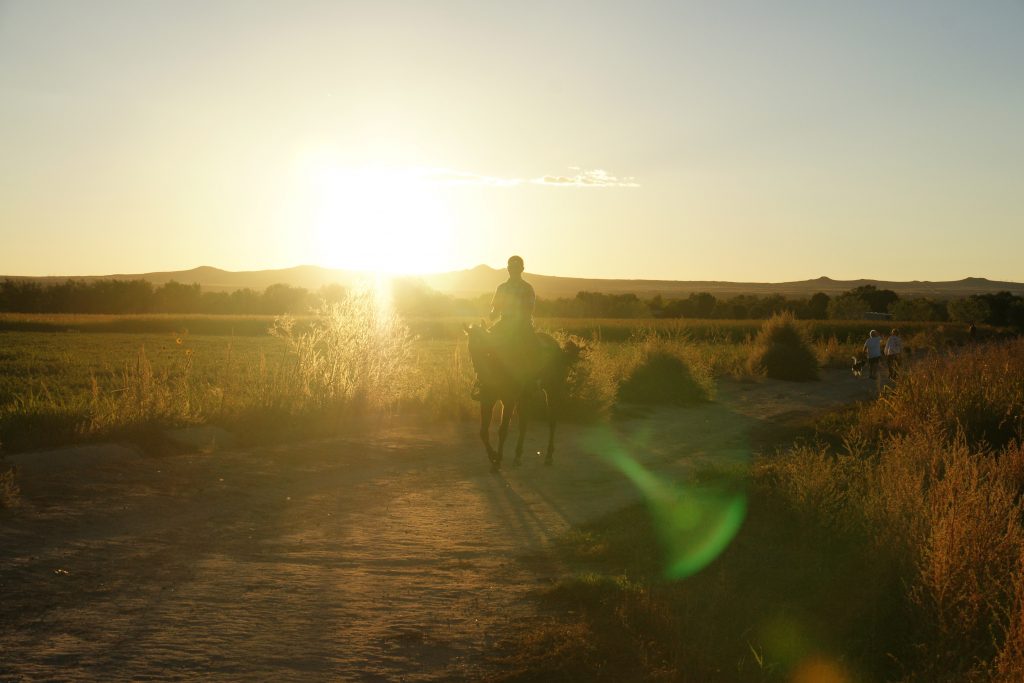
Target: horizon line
{"x": 353, "y": 271}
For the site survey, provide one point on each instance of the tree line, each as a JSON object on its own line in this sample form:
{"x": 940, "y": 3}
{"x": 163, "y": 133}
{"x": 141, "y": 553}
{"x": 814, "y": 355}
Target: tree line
{"x": 140, "y": 296}
{"x": 413, "y": 298}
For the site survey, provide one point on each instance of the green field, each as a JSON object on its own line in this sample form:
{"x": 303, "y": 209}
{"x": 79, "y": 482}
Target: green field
{"x": 65, "y": 378}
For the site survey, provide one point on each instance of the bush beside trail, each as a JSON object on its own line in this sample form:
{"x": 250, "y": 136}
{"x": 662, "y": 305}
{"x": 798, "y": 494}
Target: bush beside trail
{"x": 666, "y": 372}
{"x": 782, "y": 351}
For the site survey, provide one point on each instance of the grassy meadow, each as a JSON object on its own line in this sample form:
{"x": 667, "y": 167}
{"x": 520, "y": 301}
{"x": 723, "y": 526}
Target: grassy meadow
{"x": 74, "y": 377}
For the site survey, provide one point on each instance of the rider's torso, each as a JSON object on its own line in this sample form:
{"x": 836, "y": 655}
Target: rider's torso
{"x": 514, "y": 300}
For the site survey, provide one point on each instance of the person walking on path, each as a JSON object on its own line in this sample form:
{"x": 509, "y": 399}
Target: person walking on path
{"x": 893, "y": 349}
{"x": 873, "y": 348}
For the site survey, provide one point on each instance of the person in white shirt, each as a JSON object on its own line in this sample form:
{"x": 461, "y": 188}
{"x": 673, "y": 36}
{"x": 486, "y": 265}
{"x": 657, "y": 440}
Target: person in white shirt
{"x": 873, "y": 347}
{"x": 893, "y": 348}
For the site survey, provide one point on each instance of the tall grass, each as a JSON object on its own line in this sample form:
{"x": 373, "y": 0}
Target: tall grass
{"x": 977, "y": 391}
{"x": 346, "y": 358}
{"x": 896, "y": 555}
{"x": 356, "y": 352}
{"x": 80, "y": 379}
{"x": 938, "y": 498}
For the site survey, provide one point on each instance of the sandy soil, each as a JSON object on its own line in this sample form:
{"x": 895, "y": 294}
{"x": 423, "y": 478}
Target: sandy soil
{"x": 395, "y": 554}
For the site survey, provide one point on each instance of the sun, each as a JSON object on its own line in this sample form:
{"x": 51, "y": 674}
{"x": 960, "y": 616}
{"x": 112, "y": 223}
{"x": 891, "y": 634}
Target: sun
{"x": 381, "y": 220}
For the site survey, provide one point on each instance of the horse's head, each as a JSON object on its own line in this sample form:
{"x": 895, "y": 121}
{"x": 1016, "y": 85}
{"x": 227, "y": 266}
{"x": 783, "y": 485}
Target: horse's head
{"x": 573, "y": 348}
{"x": 565, "y": 350}
{"x": 477, "y": 332}
{"x": 479, "y": 339}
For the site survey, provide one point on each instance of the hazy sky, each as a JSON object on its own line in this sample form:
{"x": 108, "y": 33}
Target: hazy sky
{"x": 757, "y": 141}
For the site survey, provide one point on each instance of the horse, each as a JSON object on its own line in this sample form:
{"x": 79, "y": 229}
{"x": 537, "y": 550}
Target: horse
{"x": 515, "y": 373}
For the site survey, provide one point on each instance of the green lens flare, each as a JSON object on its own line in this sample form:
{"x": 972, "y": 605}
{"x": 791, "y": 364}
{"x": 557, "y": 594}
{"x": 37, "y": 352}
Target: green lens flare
{"x": 694, "y": 523}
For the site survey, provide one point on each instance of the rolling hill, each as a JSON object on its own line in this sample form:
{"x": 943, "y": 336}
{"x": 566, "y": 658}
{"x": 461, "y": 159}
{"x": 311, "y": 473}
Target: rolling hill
{"x": 483, "y": 279}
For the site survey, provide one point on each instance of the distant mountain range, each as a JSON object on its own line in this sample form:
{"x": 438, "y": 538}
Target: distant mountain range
{"x": 483, "y": 279}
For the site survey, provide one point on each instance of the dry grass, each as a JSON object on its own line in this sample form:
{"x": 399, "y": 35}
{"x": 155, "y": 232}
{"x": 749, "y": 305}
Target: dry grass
{"x": 101, "y": 376}
{"x": 977, "y": 391}
{"x": 894, "y": 557}
{"x": 9, "y": 491}
{"x": 937, "y": 497}
{"x": 348, "y": 358}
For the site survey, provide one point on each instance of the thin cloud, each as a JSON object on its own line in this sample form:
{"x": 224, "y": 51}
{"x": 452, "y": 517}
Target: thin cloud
{"x": 595, "y": 178}
{"x": 579, "y": 178}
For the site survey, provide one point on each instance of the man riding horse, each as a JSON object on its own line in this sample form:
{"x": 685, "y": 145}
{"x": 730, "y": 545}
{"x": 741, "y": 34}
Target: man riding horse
{"x": 513, "y": 305}
{"x": 516, "y": 365}
{"x": 512, "y": 340}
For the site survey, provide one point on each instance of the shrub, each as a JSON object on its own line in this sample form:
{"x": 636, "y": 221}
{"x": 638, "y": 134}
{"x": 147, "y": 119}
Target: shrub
{"x": 664, "y": 371}
{"x": 592, "y": 381}
{"x": 782, "y": 351}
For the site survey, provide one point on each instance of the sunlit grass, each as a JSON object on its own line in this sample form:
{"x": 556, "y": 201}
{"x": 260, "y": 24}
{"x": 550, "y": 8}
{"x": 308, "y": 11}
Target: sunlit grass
{"x": 70, "y": 377}
{"x": 893, "y": 556}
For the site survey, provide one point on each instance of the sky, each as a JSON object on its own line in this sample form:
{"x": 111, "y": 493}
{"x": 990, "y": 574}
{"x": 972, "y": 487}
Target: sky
{"x": 742, "y": 141}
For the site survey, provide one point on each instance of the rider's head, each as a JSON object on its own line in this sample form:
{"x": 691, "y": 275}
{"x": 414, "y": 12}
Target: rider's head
{"x": 515, "y": 265}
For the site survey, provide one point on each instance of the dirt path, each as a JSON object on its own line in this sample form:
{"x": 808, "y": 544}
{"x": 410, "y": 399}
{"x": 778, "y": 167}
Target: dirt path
{"x": 395, "y": 555}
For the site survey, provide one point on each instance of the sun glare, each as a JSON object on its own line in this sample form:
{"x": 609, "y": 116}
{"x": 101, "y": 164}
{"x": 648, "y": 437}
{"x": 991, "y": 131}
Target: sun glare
{"x": 381, "y": 220}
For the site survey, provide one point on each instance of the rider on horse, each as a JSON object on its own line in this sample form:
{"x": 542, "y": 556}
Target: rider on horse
{"x": 513, "y": 339}
{"x": 513, "y": 304}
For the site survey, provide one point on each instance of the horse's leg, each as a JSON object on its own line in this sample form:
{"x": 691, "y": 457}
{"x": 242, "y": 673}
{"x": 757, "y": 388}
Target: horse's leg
{"x": 552, "y": 400}
{"x": 507, "y": 408}
{"x": 522, "y": 406}
{"x": 486, "y": 410}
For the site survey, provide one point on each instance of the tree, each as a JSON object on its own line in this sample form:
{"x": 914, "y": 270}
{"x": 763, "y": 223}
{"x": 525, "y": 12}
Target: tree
{"x": 332, "y": 293}
{"x": 817, "y": 307}
{"x": 656, "y": 305}
{"x": 282, "y": 298}
{"x": 245, "y": 300}
{"x": 1015, "y": 314}
{"x": 175, "y": 297}
{"x": 414, "y": 298}
{"x": 918, "y": 309}
{"x": 878, "y": 299}
{"x": 971, "y": 309}
{"x": 848, "y": 307}
{"x": 701, "y": 304}
{"x": 998, "y": 307}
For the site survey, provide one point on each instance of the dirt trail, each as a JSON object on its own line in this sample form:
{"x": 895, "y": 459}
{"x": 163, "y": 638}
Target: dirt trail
{"x": 395, "y": 555}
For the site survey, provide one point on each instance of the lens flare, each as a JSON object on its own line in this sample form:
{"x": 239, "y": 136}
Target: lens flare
{"x": 694, "y": 523}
